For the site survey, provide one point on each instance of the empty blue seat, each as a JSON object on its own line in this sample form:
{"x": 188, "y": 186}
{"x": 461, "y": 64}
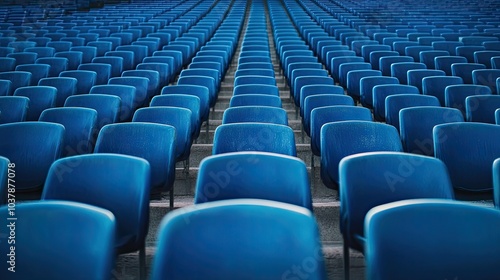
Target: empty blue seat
{"x": 38, "y": 71}
{"x": 447, "y": 46}
{"x": 32, "y": 147}
{"x": 468, "y": 52}
{"x": 103, "y": 71}
{"x": 140, "y": 52}
{"x": 376, "y": 55}
{"x": 464, "y": 70}
{"x": 260, "y": 114}
{"x": 414, "y": 51}
{"x": 190, "y": 102}
{"x": 101, "y": 47}
{"x": 255, "y": 100}
{"x": 57, "y": 64}
{"x": 400, "y": 70}
{"x": 367, "y": 49}
{"x": 395, "y": 103}
{"x": 193, "y": 90}
{"x": 60, "y": 46}
{"x": 336, "y": 143}
{"x": 127, "y": 94}
{"x": 153, "y": 77}
{"x": 428, "y": 57}
{"x": 17, "y": 78}
{"x": 100, "y": 176}
{"x": 468, "y": 152}
{"x": 85, "y": 79}
{"x": 263, "y": 137}
{"x": 416, "y": 126}
{"x": 416, "y": 76}
{"x": 14, "y": 109}
{"x": 484, "y": 57}
{"x": 74, "y": 58}
{"x": 385, "y": 183}
{"x": 481, "y": 108}
{"x": 274, "y": 220}
{"x": 127, "y": 56}
{"x": 382, "y": 224}
{"x": 436, "y": 86}
{"x": 116, "y": 63}
{"x": 381, "y": 92}
{"x": 106, "y": 106}
{"x": 79, "y": 124}
{"x": 312, "y": 102}
{"x": 366, "y": 85}
{"x": 42, "y": 51}
{"x": 141, "y": 85}
{"x": 44, "y": 220}
{"x": 337, "y": 61}
{"x": 486, "y": 77}
{"x": 400, "y": 47}
{"x": 207, "y": 82}
{"x": 303, "y": 81}
{"x": 444, "y": 63}
{"x": 23, "y": 57}
{"x": 385, "y": 63}
{"x": 293, "y": 188}
{"x": 7, "y": 64}
{"x": 455, "y": 95}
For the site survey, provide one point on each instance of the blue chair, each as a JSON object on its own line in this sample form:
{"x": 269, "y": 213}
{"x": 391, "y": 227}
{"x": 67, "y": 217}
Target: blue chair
{"x": 336, "y": 143}
{"x": 38, "y": 71}
{"x": 435, "y": 86}
{"x": 479, "y": 108}
{"x": 106, "y": 106}
{"x": 448, "y": 46}
{"x": 416, "y": 126}
{"x": 79, "y": 125}
{"x": 5, "y": 51}
{"x": 5, "y": 86}
{"x": 400, "y": 47}
{"x": 7, "y": 64}
{"x": 254, "y": 72}
{"x": 163, "y": 70}
{"x": 127, "y": 95}
{"x": 415, "y": 77}
{"x": 329, "y": 114}
{"x": 345, "y": 68}
{"x": 337, "y": 61}
{"x": 293, "y": 188}
{"x": 66, "y": 86}
{"x": 204, "y": 81}
{"x": 395, "y": 103}
{"x": 190, "y": 102}
{"x": 261, "y": 114}
{"x": 255, "y": 100}
{"x": 17, "y": 78}
{"x": 116, "y": 63}
{"x": 464, "y": 71}
{"x": 102, "y": 70}
{"x": 367, "y": 84}
{"x": 59, "y": 46}
{"x": 303, "y": 81}
{"x": 468, "y": 52}
{"x": 95, "y": 179}
{"x": 74, "y": 58}
{"x": 486, "y": 77}
{"x": 468, "y": 150}
{"x": 385, "y": 63}
{"x": 354, "y": 81}
{"x": 179, "y": 118}
{"x": 40, "y": 98}
{"x": 32, "y": 147}
{"x": 75, "y": 41}
{"x": 455, "y": 95}
{"x": 263, "y": 137}
{"x": 427, "y": 178}
{"x": 140, "y": 52}
{"x": 400, "y": 70}
{"x": 23, "y": 57}
{"x": 153, "y": 77}
{"x": 44, "y": 220}
{"x": 257, "y": 80}
{"x": 85, "y": 79}
{"x": 127, "y": 56}
{"x": 422, "y": 220}
{"x": 444, "y": 63}
{"x": 375, "y": 57}
{"x": 274, "y": 220}
{"x": 141, "y": 85}
{"x": 414, "y": 51}
{"x": 367, "y": 49}
{"x": 57, "y": 64}
{"x": 484, "y": 57}
{"x": 321, "y": 100}
{"x": 256, "y": 89}
{"x": 101, "y": 47}
{"x": 381, "y": 92}
{"x": 428, "y": 57}
{"x": 13, "y": 108}
{"x": 42, "y": 51}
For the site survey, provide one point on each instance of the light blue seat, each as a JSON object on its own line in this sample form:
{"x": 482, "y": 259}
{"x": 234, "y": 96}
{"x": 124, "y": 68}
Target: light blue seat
{"x": 274, "y": 220}
{"x": 383, "y": 222}
{"x": 416, "y": 126}
{"x": 312, "y": 102}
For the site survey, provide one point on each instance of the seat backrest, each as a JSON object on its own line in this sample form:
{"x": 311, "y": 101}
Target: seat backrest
{"x": 416, "y": 76}
{"x": 464, "y": 71}
{"x": 336, "y": 143}
{"x": 455, "y": 95}
{"x": 395, "y": 103}
{"x": 416, "y": 126}
{"x": 106, "y": 106}
{"x": 274, "y": 220}
{"x": 381, "y": 92}
{"x": 13, "y": 108}
{"x": 423, "y": 177}
{"x": 486, "y": 77}
{"x": 436, "y": 85}
{"x": 17, "y": 78}
{"x": 100, "y": 176}
{"x": 468, "y": 150}
{"x": 422, "y": 220}
{"x": 255, "y": 114}
{"x": 116, "y": 63}
{"x": 32, "y": 147}
{"x": 41, "y": 98}
{"x": 255, "y": 100}
{"x": 444, "y": 63}
{"x": 85, "y": 226}
{"x": 85, "y": 79}
{"x": 481, "y": 108}
{"x": 262, "y": 137}
{"x": 79, "y": 124}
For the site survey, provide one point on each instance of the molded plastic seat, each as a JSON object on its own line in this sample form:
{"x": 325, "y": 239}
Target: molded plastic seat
{"x": 32, "y": 147}
{"x": 85, "y": 79}
{"x": 423, "y": 220}
{"x": 41, "y": 98}
{"x": 44, "y": 220}
{"x": 376, "y": 55}
{"x": 255, "y": 100}
{"x": 153, "y": 77}
{"x": 359, "y": 194}
{"x": 303, "y": 81}
{"x": 116, "y": 63}
{"x": 127, "y": 56}
{"x": 74, "y": 58}
{"x": 444, "y": 63}
{"x": 262, "y": 137}
{"x": 484, "y": 57}
{"x": 103, "y": 71}
{"x": 274, "y": 220}
{"x": 38, "y": 71}
{"x": 42, "y": 51}
{"x": 141, "y": 85}
{"x": 381, "y": 92}
{"x": 14, "y": 109}
{"x": 57, "y": 64}
{"x": 486, "y": 77}
{"x": 140, "y": 52}
{"x": 400, "y": 70}
{"x": 415, "y": 77}
{"x": 293, "y": 188}
{"x": 416, "y": 126}
{"x": 207, "y": 82}
{"x": 367, "y": 84}
{"x": 79, "y": 124}
{"x": 336, "y": 143}
{"x": 7, "y": 64}
{"x": 259, "y": 114}
{"x": 101, "y": 47}
{"x": 468, "y": 52}
{"x": 428, "y": 57}
{"x": 179, "y": 118}
{"x": 385, "y": 63}
{"x": 193, "y": 90}
{"x": 436, "y": 86}
{"x": 464, "y": 70}
{"x": 395, "y": 103}
{"x": 17, "y": 78}
{"x": 480, "y": 108}
{"x": 455, "y": 95}
{"x": 190, "y": 102}
{"x": 98, "y": 176}
{"x": 468, "y": 152}
{"x": 66, "y": 86}
{"x": 106, "y": 106}
{"x": 321, "y": 100}
{"x": 60, "y": 46}
{"x": 163, "y": 70}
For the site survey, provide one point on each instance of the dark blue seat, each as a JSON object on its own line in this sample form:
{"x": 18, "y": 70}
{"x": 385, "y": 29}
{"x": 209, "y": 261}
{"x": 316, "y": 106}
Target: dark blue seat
{"x": 367, "y": 84}
{"x": 481, "y": 108}
{"x": 141, "y": 85}
{"x": 312, "y": 102}
{"x": 190, "y": 102}
{"x": 381, "y": 92}
{"x": 444, "y": 63}
{"x": 40, "y": 98}
{"x": 153, "y": 77}
{"x": 38, "y": 71}
{"x": 74, "y": 58}
{"x": 255, "y": 100}
{"x": 13, "y": 108}
{"x": 127, "y": 95}
{"x": 455, "y": 95}
{"x": 416, "y": 76}
{"x": 400, "y": 70}
{"x": 464, "y": 71}
{"x": 106, "y": 106}
{"x": 486, "y": 77}
{"x": 204, "y": 81}
{"x": 385, "y": 63}
{"x": 44, "y": 219}
{"x": 127, "y": 56}
{"x": 428, "y": 57}
{"x": 66, "y": 86}
{"x": 436, "y": 86}
{"x": 395, "y": 103}
{"x": 116, "y": 63}
{"x": 17, "y": 79}
{"x": 336, "y": 143}
{"x": 85, "y": 79}
{"x": 260, "y": 114}
{"x": 57, "y": 64}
